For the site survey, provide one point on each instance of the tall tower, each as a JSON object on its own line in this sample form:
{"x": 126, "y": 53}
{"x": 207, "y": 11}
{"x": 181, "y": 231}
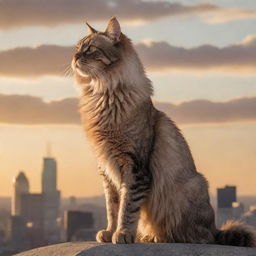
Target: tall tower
{"x": 51, "y": 200}
{"x": 21, "y": 186}
{"x": 225, "y": 198}
{"x": 49, "y": 175}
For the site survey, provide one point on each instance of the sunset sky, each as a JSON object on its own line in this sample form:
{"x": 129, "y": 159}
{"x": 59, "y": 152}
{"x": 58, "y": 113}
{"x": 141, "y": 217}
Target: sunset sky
{"x": 200, "y": 56}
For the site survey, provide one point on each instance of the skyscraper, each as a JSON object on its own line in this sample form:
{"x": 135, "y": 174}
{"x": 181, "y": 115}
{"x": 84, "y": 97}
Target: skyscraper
{"x": 32, "y": 209}
{"x": 79, "y": 226}
{"x": 21, "y": 186}
{"x": 32, "y": 214}
{"x": 17, "y": 234}
{"x": 51, "y": 200}
{"x": 49, "y": 175}
{"x": 225, "y": 198}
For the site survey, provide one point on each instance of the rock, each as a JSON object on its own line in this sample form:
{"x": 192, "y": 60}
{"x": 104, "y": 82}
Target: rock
{"x": 96, "y": 249}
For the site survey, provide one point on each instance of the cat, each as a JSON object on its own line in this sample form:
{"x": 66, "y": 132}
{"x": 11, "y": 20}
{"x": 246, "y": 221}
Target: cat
{"x": 152, "y": 188}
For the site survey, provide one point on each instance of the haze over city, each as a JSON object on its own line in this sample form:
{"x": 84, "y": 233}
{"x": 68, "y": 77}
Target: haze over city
{"x": 200, "y": 56}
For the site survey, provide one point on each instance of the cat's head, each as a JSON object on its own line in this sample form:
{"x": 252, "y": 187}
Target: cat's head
{"x": 98, "y": 53}
{"x": 107, "y": 55}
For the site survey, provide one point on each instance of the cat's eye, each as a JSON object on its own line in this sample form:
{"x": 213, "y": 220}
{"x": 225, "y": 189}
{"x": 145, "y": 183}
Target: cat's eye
{"x": 91, "y": 49}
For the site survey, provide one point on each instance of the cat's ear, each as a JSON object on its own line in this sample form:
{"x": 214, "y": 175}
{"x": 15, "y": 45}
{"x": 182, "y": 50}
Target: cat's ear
{"x": 90, "y": 29}
{"x": 113, "y": 29}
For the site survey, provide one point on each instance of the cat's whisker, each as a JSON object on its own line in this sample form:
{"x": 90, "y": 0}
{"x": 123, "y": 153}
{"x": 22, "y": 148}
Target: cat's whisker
{"x": 68, "y": 71}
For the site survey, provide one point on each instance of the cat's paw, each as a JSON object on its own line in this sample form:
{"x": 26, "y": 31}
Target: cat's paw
{"x": 158, "y": 239}
{"x": 146, "y": 239}
{"x": 104, "y": 236}
{"x": 122, "y": 237}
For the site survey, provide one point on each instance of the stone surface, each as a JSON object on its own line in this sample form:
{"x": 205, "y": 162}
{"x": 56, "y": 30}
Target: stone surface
{"x": 96, "y": 249}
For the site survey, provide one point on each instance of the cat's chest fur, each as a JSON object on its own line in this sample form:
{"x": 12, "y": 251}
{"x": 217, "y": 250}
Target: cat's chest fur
{"x": 105, "y": 121}
{"x": 116, "y": 123}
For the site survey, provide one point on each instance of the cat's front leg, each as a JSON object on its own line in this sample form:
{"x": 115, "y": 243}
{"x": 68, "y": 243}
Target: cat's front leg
{"x": 134, "y": 189}
{"x": 112, "y": 205}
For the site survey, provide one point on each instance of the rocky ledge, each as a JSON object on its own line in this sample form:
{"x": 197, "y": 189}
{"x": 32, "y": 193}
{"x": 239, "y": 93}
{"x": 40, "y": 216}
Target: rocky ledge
{"x": 96, "y": 249}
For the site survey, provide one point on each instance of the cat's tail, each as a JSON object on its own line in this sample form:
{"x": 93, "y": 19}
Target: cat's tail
{"x": 236, "y": 233}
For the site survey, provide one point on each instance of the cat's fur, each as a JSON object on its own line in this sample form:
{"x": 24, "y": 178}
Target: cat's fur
{"x": 153, "y": 190}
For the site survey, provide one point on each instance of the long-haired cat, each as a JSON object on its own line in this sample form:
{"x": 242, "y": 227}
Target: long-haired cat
{"x": 153, "y": 190}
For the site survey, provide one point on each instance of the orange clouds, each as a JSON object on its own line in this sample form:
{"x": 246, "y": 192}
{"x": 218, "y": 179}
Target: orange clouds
{"x": 16, "y": 13}
{"x": 32, "y": 62}
{"x": 159, "y": 56}
{"x": 223, "y": 15}
{"x": 16, "y": 109}
{"x": 205, "y": 111}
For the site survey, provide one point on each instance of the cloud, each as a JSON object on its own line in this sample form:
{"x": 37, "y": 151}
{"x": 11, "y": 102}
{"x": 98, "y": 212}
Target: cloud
{"x": 16, "y": 13}
{"x": 205, "y": 111}
{"x": 35, "y": 61}
{"x": 17, "y": 109}
{"x": 30, "y": 110}
{"x": 249, "y": 40}
{"x": 57, "y": 12}
{"x": 157, "y": 56}
{"x": 238, "y": 57}
{"x": 223, "y": 15}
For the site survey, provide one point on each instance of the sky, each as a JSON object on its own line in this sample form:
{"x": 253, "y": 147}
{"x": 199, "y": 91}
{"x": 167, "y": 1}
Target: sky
{"x": 200, "y": 56}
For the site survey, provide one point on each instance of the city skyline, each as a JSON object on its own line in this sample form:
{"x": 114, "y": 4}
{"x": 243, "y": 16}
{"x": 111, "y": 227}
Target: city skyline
{"x": 80, "y": 220}
{"x": 199, "y": 55}
{"x": 36, "y": 185}
{"x": 34, "y": 219}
